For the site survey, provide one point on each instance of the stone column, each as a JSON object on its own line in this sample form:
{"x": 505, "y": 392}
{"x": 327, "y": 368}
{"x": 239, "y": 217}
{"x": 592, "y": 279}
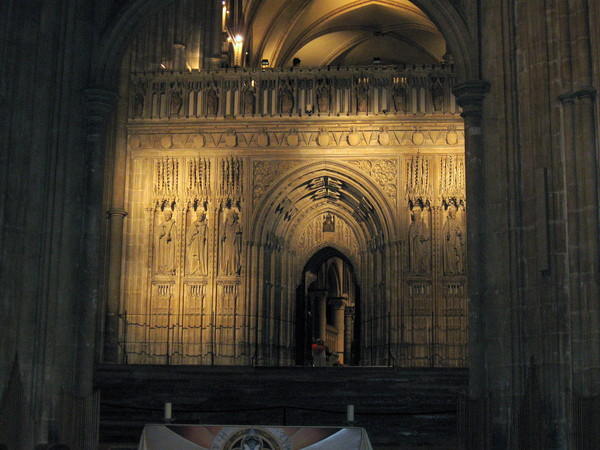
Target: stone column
{"x": 214, "y": 36}
{"x": 348, "y": 331}
{"x": 339, "y": 305}
{"x": 116, "y": 217}
{"x": 100, "y": 104}
{"x": 320, "y": 300}
{"x": 469, "y": 96}
{"x": 581, "y": 195}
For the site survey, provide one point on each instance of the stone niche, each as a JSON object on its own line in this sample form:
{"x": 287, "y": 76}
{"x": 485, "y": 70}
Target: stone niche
{"x": 235, "y": 180}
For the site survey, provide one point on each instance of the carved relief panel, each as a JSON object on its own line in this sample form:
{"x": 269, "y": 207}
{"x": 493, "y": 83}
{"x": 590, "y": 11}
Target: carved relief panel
{"x": 230, "y": 231}
{"x": 227, "y": 323}
{"x": 419, "y": 240}
{"x": 166, "y": 239}
{"x": 453, "y": 199}
{"x": 453, "y": 241}
{"x": 230, "y": 241}
{"x": 452, "y": 324}
{"x": 306, "y": 91}
{"x": 197, "y": 242}
{"x": 434, "y": 254}
{"x": 196, "y": 324}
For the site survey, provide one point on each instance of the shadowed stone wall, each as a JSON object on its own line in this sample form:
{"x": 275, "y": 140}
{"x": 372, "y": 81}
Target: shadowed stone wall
{"x": 46, "y": 333}
{"x": 539, "y": 311}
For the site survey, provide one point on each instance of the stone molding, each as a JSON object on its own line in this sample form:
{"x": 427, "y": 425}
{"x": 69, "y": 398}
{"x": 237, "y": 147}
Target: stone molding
{"x": 436, "y": 135}
{"x": 119, "y": 212}
{"x": 469, "y": 96}
{"x": 100, "y": 103}
{"x": 585, "y": 92}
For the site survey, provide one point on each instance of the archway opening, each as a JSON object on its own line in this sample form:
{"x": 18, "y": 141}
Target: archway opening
{"x": 327, "y": 311}
{"x": 385, "y": 145}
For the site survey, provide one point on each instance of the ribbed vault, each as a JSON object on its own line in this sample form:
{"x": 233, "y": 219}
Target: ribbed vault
{"x": 348, "y": 32}
{"x": 344, "y": 32}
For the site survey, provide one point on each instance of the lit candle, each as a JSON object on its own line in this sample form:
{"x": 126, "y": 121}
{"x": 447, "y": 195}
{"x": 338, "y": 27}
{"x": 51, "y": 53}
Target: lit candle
{"x": 350, "y": 413}
{"x": 168, "y": 411}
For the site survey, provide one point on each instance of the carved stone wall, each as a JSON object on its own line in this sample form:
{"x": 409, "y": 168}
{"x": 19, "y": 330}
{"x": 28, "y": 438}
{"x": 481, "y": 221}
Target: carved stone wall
{"x": 224, "y": 214}
{"x": 238, "y": 92}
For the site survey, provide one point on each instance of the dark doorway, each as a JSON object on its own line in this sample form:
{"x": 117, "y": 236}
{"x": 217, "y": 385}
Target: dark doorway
{"x": 328, "y": 308}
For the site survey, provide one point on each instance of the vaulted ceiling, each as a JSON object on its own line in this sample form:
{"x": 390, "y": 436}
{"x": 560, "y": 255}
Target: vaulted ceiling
{"x": 341, "y": 32}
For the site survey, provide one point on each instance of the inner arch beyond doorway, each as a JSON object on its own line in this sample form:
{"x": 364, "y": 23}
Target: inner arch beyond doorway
{"x": 328, "y": 308}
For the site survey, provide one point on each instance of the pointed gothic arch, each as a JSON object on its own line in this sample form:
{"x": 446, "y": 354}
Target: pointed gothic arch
{"x": 292, "y": 201}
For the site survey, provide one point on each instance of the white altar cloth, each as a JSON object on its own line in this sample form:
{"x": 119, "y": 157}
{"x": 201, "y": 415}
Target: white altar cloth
{"x": 234, "y": 437}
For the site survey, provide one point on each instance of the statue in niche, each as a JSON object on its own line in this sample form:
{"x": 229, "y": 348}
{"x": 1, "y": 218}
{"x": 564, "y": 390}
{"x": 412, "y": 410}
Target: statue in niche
{"x": 287, "y": 99}
{"x": 249, "y": 102}
{"x": 138, "y": 104}
{"x": 165, "y": 248}
{"x": 323, "y": 99}
{"x": 212, "y": 102}
{"x": 437, "y": 95}
{"x": 329, "y": 224}
{"x": 453, "y": 244}
{"x": 419, "y": 243}
{"x": 176, "y": 102}
{"x": 399, "y": 98}
{"x": 361, "y": 99}
{"x": 197, "y": 243}
{"x": 231, "y": 242}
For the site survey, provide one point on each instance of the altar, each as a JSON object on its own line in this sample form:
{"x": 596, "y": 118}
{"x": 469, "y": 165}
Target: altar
{"x": 245, "y": 437}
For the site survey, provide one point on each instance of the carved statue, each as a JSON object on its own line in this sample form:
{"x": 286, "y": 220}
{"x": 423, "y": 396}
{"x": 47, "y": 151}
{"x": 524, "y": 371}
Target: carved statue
{"x": 176, "y": 102}
{"x": 419, "y": 240}
{"x": 323, "y": 99}
{"x": 249, "y": 101}
{"x": 361, "y": 99}
{"x": 437, "y": 96}
{"x": 453, "y": 244}
{"x": 231, "y": 242}
{"x": 165, "y": 248}
{"x": 138, "y": 104}
{"x": 399, "y": 98}
{"x": 197, "y": 243}
{"x": 329, "y": 224}
{"x": 287, "y": 100}
{"x": 212, "y": 102}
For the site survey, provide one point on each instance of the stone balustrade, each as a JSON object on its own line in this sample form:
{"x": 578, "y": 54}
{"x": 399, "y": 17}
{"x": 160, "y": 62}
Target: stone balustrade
{"x": 306, "y": 92}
